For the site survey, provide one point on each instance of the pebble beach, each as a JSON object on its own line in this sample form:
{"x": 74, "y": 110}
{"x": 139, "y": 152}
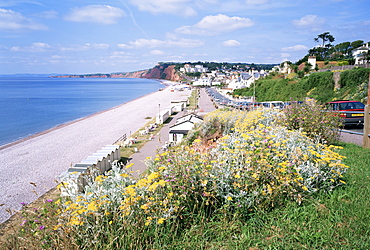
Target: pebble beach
{"x": 31, "y": 167}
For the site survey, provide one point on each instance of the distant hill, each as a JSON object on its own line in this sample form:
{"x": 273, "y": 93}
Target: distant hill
{"x": 160, "y": 71}
{"x": 27, "y": 75}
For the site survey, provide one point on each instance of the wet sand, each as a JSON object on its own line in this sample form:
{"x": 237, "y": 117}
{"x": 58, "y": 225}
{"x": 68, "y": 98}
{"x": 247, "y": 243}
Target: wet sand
{"x": 30, "y": 167}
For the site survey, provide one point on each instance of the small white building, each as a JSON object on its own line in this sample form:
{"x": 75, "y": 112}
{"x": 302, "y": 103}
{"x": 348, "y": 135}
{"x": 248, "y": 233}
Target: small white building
{"x": 178, "y": 105}
{"x": 162, "y": 116}
{"x": 312, "y": 61}
{"x": 182, "y": 127}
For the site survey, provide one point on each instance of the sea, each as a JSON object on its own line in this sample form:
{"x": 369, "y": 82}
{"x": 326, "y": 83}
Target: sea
{"x": 30, "y": 105}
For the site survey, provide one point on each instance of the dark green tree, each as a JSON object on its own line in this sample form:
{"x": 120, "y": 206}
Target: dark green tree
{"x": 325, "y": 39}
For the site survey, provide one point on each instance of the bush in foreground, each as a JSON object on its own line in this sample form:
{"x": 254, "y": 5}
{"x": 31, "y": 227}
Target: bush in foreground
{"x": 256, "y": 166}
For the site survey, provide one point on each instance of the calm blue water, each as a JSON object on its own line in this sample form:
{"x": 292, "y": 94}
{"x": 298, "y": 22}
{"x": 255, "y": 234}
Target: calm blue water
{"x": 31, "y": 105}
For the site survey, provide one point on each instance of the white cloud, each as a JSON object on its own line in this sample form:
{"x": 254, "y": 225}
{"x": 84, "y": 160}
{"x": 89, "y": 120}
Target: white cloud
{"x": 155, "y": 43}
{"x": 121, "y": 55}
{"x": 148, "y": 43}
{"x": 256, "y": 2}
{"x": 176, "y": 7}
{"x": 98, "y": 45}
{"x": 367, "y": 22}
{"x": 156, "y": 52}
{"x": 86, "y": 46}
{"x": 14, "y": 21}
{"x": 231, "y": 43}
{"x": 295, "y": 48}
{"x": 309, "y": 21}
{"x": 103, "y": 14}
{"x": 212, "y": 25}
{"x": 35, "y": 47}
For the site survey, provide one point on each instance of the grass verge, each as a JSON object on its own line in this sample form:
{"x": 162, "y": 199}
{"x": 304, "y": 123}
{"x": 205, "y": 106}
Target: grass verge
{"x": 336, "y": 220}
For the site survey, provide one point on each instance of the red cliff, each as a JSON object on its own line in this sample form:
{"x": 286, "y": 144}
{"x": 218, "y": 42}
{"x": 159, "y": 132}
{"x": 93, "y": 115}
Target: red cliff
{"x": 160, "y": 71}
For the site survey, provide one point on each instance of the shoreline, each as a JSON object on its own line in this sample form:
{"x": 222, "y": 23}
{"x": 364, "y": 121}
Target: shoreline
{"x": 32, "y": 165}
{"x": 59, "y": 126}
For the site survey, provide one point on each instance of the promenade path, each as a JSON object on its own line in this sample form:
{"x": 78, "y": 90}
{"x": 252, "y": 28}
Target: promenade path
{"x": 152, "y": 147}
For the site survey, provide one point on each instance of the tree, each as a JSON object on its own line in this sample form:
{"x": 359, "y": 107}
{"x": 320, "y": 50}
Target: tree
{"x": 356, "y": 44}
{"x": 340, "y": 51}
{"x": 307, "y": 68}
{"x": 318, "y": 52}
{"x": 326, "y": 39}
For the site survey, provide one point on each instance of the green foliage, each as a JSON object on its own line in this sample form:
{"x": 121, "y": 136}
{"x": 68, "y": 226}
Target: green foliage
{"x": 275, "y": 90}
{"x": 354, "y": 85}
{"x": 319, "y": 86}
{"x": 195, "y": 74}
{"x": 353, "y": 78}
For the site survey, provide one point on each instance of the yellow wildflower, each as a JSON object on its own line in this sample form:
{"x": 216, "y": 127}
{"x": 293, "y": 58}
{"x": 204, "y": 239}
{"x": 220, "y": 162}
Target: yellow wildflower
{"x": 161, "y": 220}
{"x": 92, "y": 206}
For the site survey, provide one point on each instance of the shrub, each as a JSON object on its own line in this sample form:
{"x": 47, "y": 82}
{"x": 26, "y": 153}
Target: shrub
{"x": 314, "y": 120}
{"x": 257, "y": 164}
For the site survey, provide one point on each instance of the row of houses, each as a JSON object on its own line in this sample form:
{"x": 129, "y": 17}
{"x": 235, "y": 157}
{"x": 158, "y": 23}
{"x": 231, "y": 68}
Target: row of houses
{"x": 190, "y": 69}
{"x": 231, "y": 80}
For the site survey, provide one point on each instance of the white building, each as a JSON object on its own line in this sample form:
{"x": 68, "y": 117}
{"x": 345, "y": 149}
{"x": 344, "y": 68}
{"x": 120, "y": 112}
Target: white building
{"x": 359, "y": 53}
{"x": 182, "y": 127}
{"x": 203, "y": 81}
{"x": 312, "y": 61}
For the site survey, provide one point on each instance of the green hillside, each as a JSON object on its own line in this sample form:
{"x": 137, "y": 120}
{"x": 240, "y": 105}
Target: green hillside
{"x": 352, "y": 85}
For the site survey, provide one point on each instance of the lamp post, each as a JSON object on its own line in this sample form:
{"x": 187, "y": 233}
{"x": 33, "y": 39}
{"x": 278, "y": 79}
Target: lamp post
{"x": 159, "y": 113}
{"x": 254, "y": 93}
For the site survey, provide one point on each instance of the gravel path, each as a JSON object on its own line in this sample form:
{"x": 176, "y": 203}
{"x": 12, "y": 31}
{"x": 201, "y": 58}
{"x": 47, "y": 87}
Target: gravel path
{"x": 29, "y": 168}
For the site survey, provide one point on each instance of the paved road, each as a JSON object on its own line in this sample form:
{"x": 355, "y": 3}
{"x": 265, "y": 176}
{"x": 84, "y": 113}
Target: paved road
{"x": 205, "y": 103}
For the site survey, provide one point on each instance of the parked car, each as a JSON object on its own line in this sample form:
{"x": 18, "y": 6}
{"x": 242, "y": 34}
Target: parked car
{"x": 351, "y": 111}
{"x": 273, "y": 104}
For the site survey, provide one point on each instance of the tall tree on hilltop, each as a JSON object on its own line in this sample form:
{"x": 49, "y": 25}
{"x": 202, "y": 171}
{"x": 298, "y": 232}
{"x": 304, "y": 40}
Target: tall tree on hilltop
{"x": 325, "y": 39}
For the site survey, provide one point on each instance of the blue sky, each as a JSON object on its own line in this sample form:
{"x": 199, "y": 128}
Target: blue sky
{"x": 88, "y": 36}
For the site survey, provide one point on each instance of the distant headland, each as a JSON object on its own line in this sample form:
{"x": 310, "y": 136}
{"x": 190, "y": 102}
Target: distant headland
{"x": 162, "y": 71}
